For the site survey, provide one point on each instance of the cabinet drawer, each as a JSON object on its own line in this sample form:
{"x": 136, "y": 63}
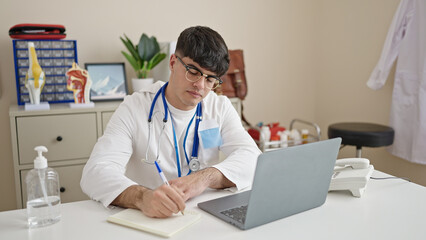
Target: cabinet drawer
{"x": 65, "y": 136}
{"x": 106, "y": 116}
{"x": 69, "y": 180}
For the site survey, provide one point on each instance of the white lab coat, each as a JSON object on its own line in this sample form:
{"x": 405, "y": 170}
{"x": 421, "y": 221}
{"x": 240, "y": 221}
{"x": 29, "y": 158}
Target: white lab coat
{"x": 115, "y": 162}
{"x": 406, "y": 40}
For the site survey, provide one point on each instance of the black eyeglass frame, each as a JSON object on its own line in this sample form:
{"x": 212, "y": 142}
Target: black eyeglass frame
{"x": 198, "y": 70}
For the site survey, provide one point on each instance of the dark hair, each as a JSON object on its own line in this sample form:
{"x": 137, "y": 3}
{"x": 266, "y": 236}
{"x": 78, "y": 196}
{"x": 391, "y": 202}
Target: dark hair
{"x": 205, "y": 47}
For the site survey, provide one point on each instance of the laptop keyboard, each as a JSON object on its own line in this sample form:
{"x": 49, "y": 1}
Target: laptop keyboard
{"x": 238, "y": 213}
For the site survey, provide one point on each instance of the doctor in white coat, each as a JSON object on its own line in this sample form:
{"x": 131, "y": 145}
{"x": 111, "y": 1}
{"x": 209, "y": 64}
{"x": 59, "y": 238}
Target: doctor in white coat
{"x": 121, "y": 169}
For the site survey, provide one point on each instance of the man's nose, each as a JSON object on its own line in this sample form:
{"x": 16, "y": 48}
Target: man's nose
{"x": 201, "y": 82}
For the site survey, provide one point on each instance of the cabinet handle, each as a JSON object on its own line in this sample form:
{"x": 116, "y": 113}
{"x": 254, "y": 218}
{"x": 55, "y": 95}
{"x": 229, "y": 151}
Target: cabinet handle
{"x": 62, "y": 189}
{"x": 59, "y": 138}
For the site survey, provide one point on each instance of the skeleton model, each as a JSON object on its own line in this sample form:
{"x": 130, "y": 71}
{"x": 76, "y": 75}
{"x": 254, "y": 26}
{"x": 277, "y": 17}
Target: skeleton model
{"x": 35, "y": 78}
{"x": 79, "y": 82}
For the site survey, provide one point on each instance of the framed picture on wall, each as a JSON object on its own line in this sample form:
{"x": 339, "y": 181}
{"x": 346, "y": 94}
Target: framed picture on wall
{"x": 108, "y": 81}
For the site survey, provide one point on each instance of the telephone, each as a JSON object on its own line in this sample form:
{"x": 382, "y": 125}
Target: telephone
{"x": 351, "y": 174}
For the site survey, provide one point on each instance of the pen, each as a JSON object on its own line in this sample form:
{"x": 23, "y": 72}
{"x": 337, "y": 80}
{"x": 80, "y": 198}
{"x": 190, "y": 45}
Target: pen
{"x": 163, "y": 177}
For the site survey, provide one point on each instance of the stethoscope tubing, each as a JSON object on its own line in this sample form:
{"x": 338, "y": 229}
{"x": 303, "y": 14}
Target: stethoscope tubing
{"x": 198, "y": 119}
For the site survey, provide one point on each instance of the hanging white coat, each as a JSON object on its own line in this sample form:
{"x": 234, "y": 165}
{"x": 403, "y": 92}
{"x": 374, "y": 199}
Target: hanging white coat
{"x": 406, "y": 40}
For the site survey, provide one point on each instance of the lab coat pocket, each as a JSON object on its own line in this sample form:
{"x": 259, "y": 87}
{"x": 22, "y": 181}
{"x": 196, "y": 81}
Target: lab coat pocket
{"x": 209, "y": 134}
{"x": 406, "y": 89}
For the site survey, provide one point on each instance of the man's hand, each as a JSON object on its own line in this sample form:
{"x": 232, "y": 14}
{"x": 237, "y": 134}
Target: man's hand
{"x": 191, "y": 185}
{"x": 161, "y": 202}
{"x": 195, "y": 183}
{"x": 166, "y": 200}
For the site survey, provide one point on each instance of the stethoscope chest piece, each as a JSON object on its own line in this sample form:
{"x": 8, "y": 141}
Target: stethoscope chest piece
{"x": 194, "y": 165}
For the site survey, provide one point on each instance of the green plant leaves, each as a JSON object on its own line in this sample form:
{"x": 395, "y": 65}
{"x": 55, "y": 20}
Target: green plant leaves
{"x": 156, "y": 60}
{"x": 130, "y": 47}
{"x": 144, "y": 56}
{"x": 148, "y": 47}
{"x": 131, "y": 60}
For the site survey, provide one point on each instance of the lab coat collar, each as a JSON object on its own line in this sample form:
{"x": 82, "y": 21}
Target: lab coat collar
{"x": 153, "y": 88}
{"x": 168, "y": 130}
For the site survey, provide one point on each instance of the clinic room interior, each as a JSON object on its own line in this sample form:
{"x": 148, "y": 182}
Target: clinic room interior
{"x": 308, "y": 59}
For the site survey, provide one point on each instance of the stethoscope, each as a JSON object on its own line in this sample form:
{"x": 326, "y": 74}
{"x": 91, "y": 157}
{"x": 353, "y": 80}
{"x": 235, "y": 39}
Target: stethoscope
{"x": 194, "y": 163}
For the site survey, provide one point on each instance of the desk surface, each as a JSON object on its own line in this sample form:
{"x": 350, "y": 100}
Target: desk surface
{"x": 389, "y": 209}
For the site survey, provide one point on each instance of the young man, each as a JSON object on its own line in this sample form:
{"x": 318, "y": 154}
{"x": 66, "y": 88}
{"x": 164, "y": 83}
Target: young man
{"x": 158, "y": 124}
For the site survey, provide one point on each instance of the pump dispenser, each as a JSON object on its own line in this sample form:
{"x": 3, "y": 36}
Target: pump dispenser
{"x": 43, "y": 205}
{"x": 40, "y": 161}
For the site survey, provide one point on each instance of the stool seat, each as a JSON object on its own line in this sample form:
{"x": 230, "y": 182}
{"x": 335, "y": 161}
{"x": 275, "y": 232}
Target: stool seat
{"x": 362, "y": 134}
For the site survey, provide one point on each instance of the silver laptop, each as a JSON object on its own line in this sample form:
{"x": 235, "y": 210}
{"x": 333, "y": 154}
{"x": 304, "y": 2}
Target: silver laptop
{"x": 287, "y": 181}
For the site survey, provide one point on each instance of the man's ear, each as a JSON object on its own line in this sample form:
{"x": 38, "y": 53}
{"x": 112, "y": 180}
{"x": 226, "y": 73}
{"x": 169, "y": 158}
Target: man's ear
{"x": 172, "y": 62}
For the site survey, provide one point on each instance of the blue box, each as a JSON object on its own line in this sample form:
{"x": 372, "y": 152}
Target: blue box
{"x": 55, "y": 58}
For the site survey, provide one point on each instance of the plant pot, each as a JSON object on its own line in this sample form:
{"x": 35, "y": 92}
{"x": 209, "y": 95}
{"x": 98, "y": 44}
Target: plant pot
{"x": 139, "y": 83}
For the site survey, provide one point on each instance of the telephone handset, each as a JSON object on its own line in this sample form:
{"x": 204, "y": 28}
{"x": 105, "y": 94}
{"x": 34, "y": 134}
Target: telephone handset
{"x": 351, "y": 174}
{"x": 355, "y": 163}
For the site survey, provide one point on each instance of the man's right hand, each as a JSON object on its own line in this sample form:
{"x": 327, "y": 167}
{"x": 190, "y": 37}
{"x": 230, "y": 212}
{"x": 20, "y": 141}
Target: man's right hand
{"x": 160, "y": 203}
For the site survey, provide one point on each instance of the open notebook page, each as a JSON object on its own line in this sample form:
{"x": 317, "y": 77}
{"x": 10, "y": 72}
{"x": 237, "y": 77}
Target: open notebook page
{"x": 164, "y": 227}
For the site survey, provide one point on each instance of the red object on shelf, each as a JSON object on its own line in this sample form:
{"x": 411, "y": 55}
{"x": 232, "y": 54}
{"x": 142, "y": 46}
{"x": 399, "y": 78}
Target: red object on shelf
{"x": 254, "y": 133}
{"x": 275, "y": 128}
{"x": 37, "y": 31}
{"x": 275, "y": 138}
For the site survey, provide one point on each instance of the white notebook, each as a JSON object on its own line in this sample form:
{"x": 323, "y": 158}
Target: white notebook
{"x": 164, "y": 227}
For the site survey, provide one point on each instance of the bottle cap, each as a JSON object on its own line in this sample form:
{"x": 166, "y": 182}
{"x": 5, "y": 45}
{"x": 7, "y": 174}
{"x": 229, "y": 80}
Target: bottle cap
{"x": 40, "y": 161}
{"x": 305, "y": 131}
{"x": 294, "y": 133}
{"x": 284, "y": 135}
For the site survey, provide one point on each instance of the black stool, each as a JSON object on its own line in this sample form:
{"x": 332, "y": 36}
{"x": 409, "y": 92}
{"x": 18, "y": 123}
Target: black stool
{"x": 362, "y": 134}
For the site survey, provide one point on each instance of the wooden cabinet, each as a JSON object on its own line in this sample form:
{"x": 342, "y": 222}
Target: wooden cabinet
{"x": 105, "y": 119}
{"x": 69, "y": 135}
{"x": 69, "y": 180}
{"x": 66, "y": 136}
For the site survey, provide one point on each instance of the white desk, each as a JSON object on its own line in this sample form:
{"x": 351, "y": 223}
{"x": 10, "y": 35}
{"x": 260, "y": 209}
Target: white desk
{"x": 389, "y": 209}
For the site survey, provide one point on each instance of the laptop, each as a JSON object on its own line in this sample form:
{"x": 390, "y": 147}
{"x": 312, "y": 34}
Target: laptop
{"x": 286, "y": 182}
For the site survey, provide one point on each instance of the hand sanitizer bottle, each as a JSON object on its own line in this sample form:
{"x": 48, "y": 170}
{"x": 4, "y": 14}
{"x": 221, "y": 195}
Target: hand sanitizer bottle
{"x": 44, "y": 201}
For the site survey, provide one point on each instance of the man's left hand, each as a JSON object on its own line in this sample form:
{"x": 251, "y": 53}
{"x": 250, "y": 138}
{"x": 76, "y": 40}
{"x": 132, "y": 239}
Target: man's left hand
{"x": 191, "y": 185}
{"x": 194, "y": 184}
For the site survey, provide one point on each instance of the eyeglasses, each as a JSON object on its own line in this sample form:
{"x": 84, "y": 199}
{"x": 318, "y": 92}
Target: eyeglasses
{"x": 193, "y": 74}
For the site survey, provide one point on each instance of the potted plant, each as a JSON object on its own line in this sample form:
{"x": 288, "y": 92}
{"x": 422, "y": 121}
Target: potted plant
{"x": 143, "y": 57}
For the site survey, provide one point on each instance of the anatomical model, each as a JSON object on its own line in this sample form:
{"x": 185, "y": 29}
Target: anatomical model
{"x": 79, "y": 82}
{"x": 35, "y": 78}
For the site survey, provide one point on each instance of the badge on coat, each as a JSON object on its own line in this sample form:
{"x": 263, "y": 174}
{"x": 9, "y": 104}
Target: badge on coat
{"x": 209, "y": 134}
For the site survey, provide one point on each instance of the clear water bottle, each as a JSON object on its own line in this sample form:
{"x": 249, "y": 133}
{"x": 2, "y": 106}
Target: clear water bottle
{"x": 44, "y": 201}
